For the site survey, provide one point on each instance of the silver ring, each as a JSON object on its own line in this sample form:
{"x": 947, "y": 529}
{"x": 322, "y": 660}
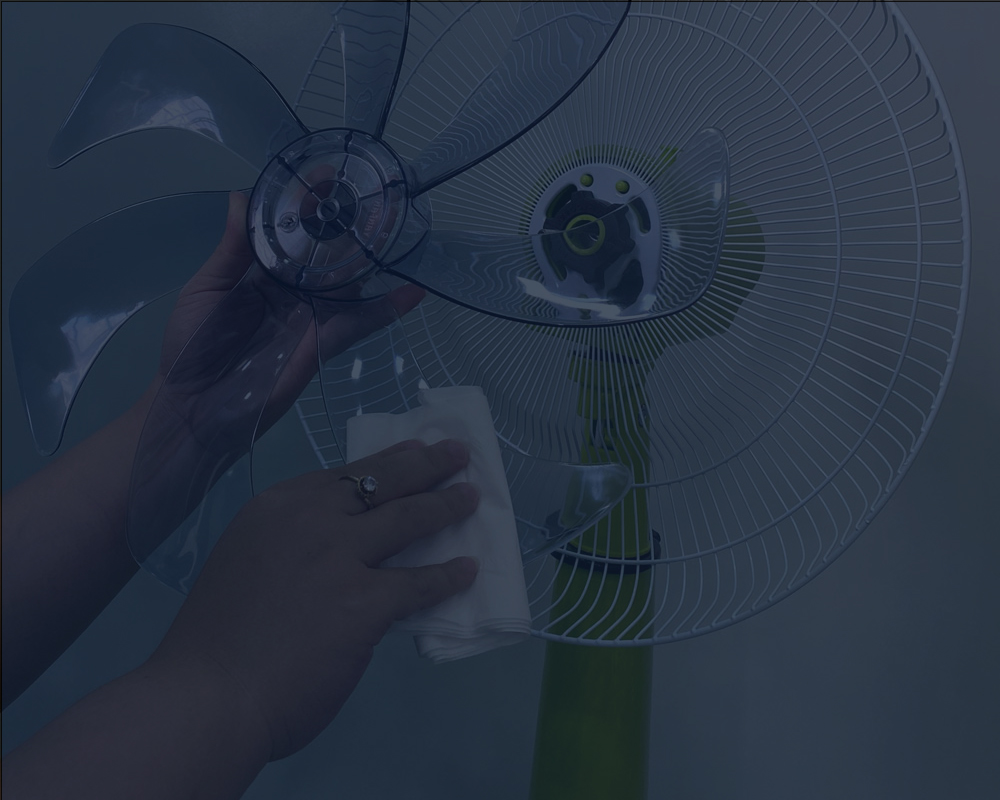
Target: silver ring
{"x": 366, "y": 485}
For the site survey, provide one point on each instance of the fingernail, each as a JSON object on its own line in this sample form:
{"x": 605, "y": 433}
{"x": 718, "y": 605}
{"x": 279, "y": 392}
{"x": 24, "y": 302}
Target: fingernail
{"x": 457, "y": 450}
{"x": 469, "y": 492}
{"x": 468, "y": 566}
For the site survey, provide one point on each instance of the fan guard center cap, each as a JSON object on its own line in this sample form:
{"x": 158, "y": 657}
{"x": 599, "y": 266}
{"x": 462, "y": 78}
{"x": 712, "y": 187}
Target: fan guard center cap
{"x": 325, "y": 208}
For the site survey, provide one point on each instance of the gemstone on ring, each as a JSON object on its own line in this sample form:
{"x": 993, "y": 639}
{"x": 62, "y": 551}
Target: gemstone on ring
{"x": 366, "y": 485}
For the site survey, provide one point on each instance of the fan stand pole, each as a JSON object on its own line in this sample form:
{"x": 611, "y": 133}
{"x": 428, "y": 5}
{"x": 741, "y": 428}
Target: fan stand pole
{"x": 592, "y": 737}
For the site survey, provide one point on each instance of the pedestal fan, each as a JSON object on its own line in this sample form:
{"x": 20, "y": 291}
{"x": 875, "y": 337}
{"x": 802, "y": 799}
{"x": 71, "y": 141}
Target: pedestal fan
{"x": 737, "y": 414}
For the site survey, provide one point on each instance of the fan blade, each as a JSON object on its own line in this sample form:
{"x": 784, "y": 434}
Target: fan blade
{"x": 596, "y": 262}
{"x": 178, "y": 560}
{"x": 372, "y": 41}
{"x": 380, "y": 375}
{"x": 692, "y": 193}
{"x": 553, "y": 47}
{"x": 162, "y": 76}
{"x": 576, "y": 496}
{"x": 221, "y": 390}
{"x": 69, "y": 304}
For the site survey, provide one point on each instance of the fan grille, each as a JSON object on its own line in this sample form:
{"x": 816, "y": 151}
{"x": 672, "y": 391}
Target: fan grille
{"x": 769, "y": 422}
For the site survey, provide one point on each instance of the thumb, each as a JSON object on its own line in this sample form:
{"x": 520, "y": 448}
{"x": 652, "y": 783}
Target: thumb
{"x": 233, "y": 254}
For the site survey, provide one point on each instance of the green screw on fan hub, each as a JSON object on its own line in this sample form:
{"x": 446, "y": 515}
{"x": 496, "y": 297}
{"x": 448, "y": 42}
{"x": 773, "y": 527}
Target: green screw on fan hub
{"x": 580, "y": 234}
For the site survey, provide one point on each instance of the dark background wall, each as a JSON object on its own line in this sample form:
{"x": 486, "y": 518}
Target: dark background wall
{"x": 877, "y": 680}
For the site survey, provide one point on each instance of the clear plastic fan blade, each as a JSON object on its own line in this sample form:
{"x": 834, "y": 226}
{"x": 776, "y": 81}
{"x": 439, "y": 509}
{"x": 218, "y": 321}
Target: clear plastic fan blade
{"x": 162, "y": 76}
{"x": 576, "y": 496}
{"x": 372, "y": 40}
{"x": 178, "y": 560}
{"x": 69, "y": 304}
{"x": 241, "y": 369}
{"x": 595, "y": 261}
{"x": 692, "y": 193}
{"x": 380, "y": 374}
{"x": 552, "y": 49}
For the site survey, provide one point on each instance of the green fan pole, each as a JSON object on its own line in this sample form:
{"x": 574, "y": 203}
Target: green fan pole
{"x": 592, "y": 739}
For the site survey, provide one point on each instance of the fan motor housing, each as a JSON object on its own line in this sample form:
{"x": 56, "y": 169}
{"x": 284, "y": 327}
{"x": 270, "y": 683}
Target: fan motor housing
{"x": 326, "y": 208}
{"x": 604, "y": 235}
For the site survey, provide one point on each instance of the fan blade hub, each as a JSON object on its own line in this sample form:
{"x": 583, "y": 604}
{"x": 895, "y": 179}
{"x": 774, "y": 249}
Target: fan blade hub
{"x": 328, "y": 209}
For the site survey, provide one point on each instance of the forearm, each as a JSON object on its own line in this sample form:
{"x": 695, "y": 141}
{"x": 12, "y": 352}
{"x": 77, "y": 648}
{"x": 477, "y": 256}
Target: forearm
{"x": 165, "y": 730}
{"x": 65, "y": 554}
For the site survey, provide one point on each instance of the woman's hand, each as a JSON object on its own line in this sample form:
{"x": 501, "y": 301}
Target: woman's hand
{"x": 292, "y": 601}
{"x": 274, "y": 637}
{"x": 238, "y": 350}
{"x": 219, "y": 275}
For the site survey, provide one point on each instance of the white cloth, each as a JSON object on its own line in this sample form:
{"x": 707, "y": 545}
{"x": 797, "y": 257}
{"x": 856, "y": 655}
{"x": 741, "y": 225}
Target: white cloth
{"x": 494, "y": 610}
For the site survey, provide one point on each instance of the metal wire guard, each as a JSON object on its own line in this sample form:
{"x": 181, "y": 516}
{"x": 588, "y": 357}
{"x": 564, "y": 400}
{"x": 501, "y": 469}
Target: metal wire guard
{"x": 776, "y": 415}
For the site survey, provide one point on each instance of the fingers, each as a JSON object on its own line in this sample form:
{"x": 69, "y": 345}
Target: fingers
{"x": 409, "y": 444}
{"x": 403, "y": 470}
{"x": 417, "y": 588}
{"x": 388, "y": 529}
{"x": 406, "y": 298}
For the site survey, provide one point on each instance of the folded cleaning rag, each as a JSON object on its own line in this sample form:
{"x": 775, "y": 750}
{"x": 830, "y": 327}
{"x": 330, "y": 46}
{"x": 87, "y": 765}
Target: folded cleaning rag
{"x": 494, "y": 610}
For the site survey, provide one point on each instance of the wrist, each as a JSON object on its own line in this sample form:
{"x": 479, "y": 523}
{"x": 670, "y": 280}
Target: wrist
{"x": 221, "y": 712}
{"x": 170, "y": 728}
